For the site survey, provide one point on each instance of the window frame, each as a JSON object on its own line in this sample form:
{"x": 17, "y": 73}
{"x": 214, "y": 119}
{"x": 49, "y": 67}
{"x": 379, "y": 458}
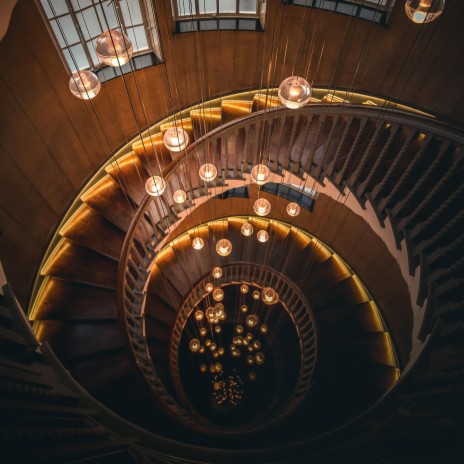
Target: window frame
{"x": 149, "y": 24}
{"x": 236, "y": 14}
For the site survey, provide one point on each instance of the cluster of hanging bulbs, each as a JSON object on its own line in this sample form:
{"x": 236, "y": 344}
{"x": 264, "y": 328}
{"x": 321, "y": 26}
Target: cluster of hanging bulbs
{"x": 245, "y": 338}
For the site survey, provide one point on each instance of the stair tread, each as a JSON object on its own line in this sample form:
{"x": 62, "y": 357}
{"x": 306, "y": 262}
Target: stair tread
{"x": 131, "y": 175}
{"x": 108, "y": 199}
{"x": 62, "y": 299}
{"x": 90, "y": 230}
{"x": 79, "y": 264}
{"x": 76, "y": 339}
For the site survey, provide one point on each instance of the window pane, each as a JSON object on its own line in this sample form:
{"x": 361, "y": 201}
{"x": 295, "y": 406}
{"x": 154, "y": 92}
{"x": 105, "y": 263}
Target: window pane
{"x": 79, "y": 4}
{"x": 110, "y": 16}
{"x": 138, "y": 37}
{"x": 248, "y": 6}
{"x": 227, "y": 6}
{"x": 79, "y": 57}
{"x": 131, "y": 12}
{"x": 186, "y": 7}
{"x": 67, "y": 28}
{"x": 207, "y": 6}
{"x": 59, "y": 7}
{"x": 89, "y": 24}
{"x": 91, "y": 49}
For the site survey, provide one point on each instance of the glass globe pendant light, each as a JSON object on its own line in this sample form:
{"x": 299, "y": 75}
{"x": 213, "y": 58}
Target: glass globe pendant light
{"x": 293, "y": 209}
{"x": 262, "y": 236}
{"x": 198, "y": 243}
{"x": 262, "y": 207}
{"x": 179, "y": 196}
{"x": 84, "y": 84}
{"x": 244, "y": 288}
{"x": 199, "y": 315}
{"x": 260, "y": 174}
{"x": 217, "y": 272}
{"x": 207, "y": 172}
{"x": 218, "y": 294}
{"x": 224, "y": 247}
{"x": 113, "y": 48}
{"x": 294, "y": 92}
{"x": 175, "y": 139}
{"x": 209, "y": 287}
{"x": 194, "y": 345}
{"x": 155, "y": 186}
{"x": 252, "y": 320}
{"x": 247, "y": 229}
{"x": 255, "y": 295}
{"x": 424, "y": 11}
{"x": 269, "y": 296}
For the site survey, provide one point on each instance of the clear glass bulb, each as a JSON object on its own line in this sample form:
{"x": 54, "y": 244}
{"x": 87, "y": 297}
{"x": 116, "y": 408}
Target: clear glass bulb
{"x": 262, "y": 207}
{"x": 217, "y": 272}
{"x": 175, "y": 139}
{"x": 155, "y": 186}
{"x": 244, "y": 288}
{"x": 269, "y": 296}
{"x": 179, "y": 196}
{"x": 294, "y": 92}
{"x": 246, "y": 229}
{"x": 207, "y": 172}
{"x": 293, "y": 209}
{"x": 199, "y": 315}
{"x": 424, "y": 11}
{"x": 224, "y": 247}
{"x": 84, "y": 84}
{"x": 209, "y": 287}
{"x": 262, "y": 236}
{"x": 194, "y": 345}
{"x": 260, "y": 174}
{"x": 113, "y": 48}
{"x": 198, "y": 243}
{"x": 218, "y": 295}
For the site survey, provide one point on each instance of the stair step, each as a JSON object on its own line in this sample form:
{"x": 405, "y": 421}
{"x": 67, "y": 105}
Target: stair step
{"x": 335, "y": 295}
{"x": 65, "y": 300}
{"x": 234, "y": 109}
{"x": 262, "y": 101}
{"x": 88, "y": 229}
{"x": 78, "y": 339}
{"x": 344, "y": 346}
{"x": 78, "y": 264}
{"x": 97, "y": 373}
{"x": 204, "y": 120}
{"x": 109, "y": 201}
{"x": 131, "y": 175}
{"x": 356, "y": 317}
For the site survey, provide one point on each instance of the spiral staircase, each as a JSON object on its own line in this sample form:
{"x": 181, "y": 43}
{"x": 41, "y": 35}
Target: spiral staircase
{"x": 407, "y": 169}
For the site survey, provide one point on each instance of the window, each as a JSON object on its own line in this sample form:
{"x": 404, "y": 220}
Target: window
{"x": 371, "y": 10}
{"x": 76, "y": 25}
{"x": 192, "y": 15}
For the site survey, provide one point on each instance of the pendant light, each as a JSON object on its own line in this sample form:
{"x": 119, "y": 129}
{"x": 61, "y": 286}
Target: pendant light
{"x": 224, "y": 247}
{"x": 260, "y": 174}
{"x": 424, "y": 11}
{"x": 113, "y": 48}
{"x": 207, "y": 172}
{"x": 155, "y": 186}
{"x": 262, "y": 207}
{"x": 294, "y": 92}
{"x": 293, "y": 209}
{"x": 175, "y": 139}
{"x": 84, "y": 84}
